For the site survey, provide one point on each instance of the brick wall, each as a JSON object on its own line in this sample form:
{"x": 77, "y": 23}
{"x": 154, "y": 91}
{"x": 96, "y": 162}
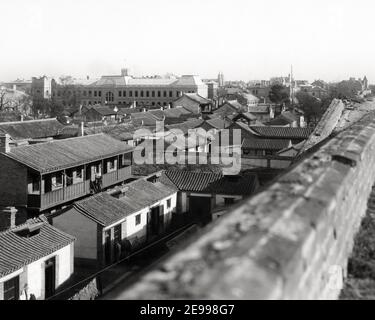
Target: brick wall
{"x": 290, "y": 241}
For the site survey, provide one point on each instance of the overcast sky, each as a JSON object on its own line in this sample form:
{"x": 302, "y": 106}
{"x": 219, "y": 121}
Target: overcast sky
{"x": 245, "y": 39}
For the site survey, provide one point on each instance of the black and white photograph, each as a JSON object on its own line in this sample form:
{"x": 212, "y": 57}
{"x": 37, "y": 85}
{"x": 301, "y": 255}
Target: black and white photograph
{"x": 187, "y": 155}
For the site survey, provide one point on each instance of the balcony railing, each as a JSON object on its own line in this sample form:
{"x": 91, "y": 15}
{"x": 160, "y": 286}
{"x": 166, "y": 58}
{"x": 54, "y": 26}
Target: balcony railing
{"x": 74, "y": 191}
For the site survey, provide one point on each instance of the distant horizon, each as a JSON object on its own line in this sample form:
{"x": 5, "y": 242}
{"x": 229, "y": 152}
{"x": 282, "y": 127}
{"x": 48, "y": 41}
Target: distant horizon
{"x": 244, "y": 39}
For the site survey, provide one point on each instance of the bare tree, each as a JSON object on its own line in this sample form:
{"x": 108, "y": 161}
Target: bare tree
{"x": 4, "y": 101}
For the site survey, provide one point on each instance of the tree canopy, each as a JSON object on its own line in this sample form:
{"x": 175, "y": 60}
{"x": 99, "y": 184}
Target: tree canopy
{"x": 279, "y": 94}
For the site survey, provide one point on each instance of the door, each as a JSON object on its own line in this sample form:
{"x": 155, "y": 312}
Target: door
{"x": 50, "y": 277}
{"x": 12, "y": 289}
{"x": 200, "y": 208}
{"x": 107, "y": 247}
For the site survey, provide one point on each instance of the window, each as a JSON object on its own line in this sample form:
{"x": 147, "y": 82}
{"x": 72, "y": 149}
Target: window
{"x": 109, "y": 97}
{"x": 130, "y": 93}
{"x": 159, "y": 94}
{"x": 136, "y": 93}
{"x": 35, "y": 186}
{"x": 168, "y": 203}
{"x": 11, "y": 289}
{"x": 164, "y": 94}
{"x": 90, "y": 93}
{"x": 153, "y": 94}
{"x": 170, "y": 94}
{"x": 177, "y": 94}
{"x": 100, "y": 93}
{"x": 142, "y": 93}
{"x": 137, "y": 219}
{"x": 120, "y": 93}
{"x": 124, "y": 93}
{"x": 147, "y": 94}
{"x": 228, "y": 201}
{"x": 95, "y": 93}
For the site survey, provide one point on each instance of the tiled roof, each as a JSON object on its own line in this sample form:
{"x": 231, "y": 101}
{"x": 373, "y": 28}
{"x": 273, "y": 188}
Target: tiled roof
{"x": 104, "y": 208}
{"x": 61, "y": 154}
{"x": 17, "y": 251}
{"x": 197, "y": 98}
{"x": 209, "y": 182}
{"x": 32, "y": 129}
{"x": 104, "y": 110}
{"x": 217, "y": 123}
{"x": 186, "y": 125}
{"x": 259, "y": 109}
{"x": 176, "y": 112}
{"x": 158, "y": 114}
{"x": 142, "y": 193}
{"x": 282, "y": 132}
{"x": 266, "y": 144}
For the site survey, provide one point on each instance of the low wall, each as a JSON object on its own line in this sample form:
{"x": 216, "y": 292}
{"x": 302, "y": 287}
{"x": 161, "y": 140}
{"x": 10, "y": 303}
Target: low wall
{"x": 290, "y": 241}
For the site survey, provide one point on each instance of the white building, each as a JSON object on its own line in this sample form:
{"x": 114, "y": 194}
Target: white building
{"x": 108, "y": 226}
{"x": 35, "y": 259}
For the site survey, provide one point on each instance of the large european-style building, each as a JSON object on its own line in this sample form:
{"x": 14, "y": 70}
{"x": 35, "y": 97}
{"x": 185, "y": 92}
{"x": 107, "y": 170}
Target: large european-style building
{"x": 124, "y": 89}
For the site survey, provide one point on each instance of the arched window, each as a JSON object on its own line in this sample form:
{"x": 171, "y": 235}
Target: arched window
{"x": 109, "y": 97}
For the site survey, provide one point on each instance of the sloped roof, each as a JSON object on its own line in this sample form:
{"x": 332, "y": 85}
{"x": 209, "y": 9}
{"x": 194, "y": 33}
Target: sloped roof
{"x": 266, "y": 144}
{"x": 33, "y": 129}
{"x": 217, "y": 123}
{"x": 104, "y": 208}
{"x": 158, "y": 114}
{"x": 61, "y": 154}
{"x": 195, "y": 97}
{"x": 17, "y": 251}
{"x": 186, "y": 125}
{"x": 143, "y": 193}
{"x": 209, "y": 182}
{"x": 282, "y": 132}
{"x": 176, "y": 112}
{"x": 259, "y": 109}
{"x": 103, "y": 110}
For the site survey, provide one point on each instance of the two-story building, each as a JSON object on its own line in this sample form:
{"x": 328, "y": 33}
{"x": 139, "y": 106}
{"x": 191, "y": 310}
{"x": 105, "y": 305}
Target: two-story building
{"x": 46, "y": 176}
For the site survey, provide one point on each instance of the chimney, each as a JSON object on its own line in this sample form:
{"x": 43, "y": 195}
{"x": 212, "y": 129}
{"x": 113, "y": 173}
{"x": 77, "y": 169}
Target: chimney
{"x": 82, "y": 129}
{"x": 21, "y": 117}
{"x": 4, "y": 143}
{"x": 7, "y": 218}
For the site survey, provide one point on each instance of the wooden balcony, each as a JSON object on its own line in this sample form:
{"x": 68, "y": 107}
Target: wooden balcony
{"x": 75, "y": 191}
{"x": 56, "y": 197}
{"x": 114, "y": 177}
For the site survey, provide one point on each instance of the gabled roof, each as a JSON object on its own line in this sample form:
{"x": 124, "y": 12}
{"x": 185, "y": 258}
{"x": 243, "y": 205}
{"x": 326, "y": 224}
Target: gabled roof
{"x": 33, "y": 129}
{"x": 209, "y": 182}
{"x": 17, "y": 251}
{"x": 282, "y": 132}
{"x": 61, "y": 154}
{"x": 247, "y": 115}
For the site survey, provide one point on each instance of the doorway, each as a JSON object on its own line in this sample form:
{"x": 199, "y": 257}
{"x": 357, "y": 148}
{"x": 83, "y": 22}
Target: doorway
{"x": 50, "y": 277}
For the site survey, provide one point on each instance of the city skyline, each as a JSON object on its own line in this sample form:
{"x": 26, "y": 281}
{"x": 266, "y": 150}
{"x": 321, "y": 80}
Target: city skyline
{"x": 245, "y": 40}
